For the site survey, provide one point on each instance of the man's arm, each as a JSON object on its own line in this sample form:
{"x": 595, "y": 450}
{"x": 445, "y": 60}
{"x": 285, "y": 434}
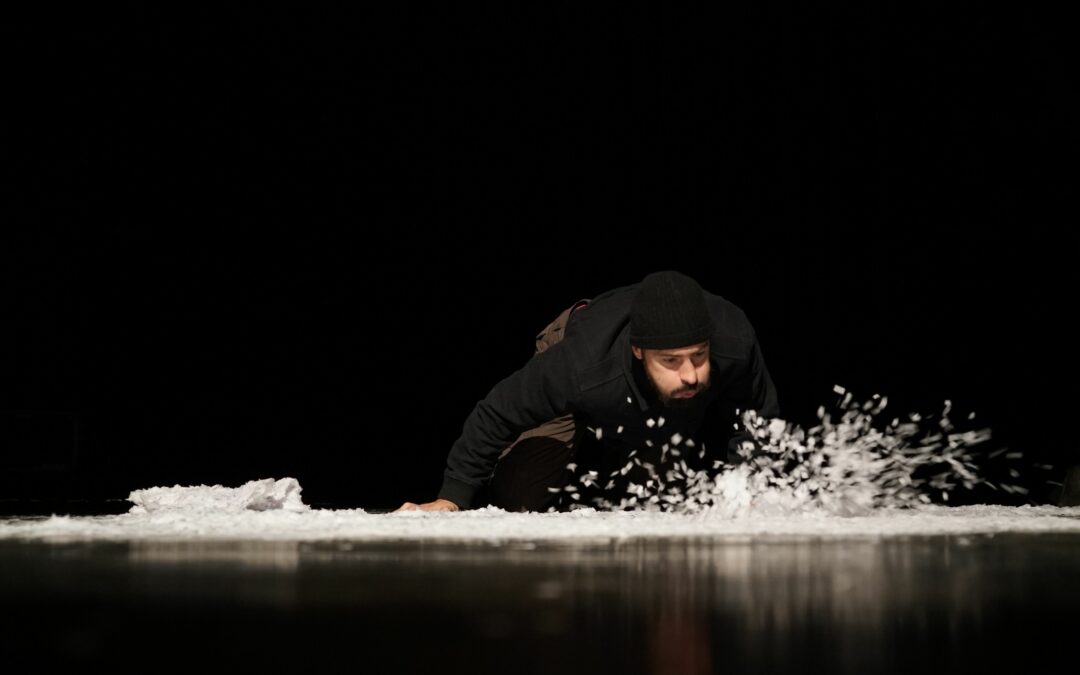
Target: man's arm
{"x": 536, "y": 393}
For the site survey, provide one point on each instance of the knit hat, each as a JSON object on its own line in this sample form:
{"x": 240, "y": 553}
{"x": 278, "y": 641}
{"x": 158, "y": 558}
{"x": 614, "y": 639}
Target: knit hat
{"x": 668, "y": 312}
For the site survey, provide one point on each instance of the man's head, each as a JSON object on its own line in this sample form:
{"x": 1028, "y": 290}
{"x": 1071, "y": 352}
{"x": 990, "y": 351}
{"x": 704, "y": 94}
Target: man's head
{"x": 670, "y": 327}
{"x": 679, "y": 376}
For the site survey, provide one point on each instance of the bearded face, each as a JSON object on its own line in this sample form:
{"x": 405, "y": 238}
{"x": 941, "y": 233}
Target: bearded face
{"x": 679, "y": 376}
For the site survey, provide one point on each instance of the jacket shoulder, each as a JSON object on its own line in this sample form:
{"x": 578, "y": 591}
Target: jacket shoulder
{"x": 733, "y": 334}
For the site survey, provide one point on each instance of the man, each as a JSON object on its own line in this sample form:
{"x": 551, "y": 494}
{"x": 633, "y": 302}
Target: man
{"x": 656, "y": 369}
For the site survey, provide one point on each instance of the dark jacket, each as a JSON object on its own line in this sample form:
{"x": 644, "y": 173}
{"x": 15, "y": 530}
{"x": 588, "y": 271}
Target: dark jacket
{"x": 593, "y": 374}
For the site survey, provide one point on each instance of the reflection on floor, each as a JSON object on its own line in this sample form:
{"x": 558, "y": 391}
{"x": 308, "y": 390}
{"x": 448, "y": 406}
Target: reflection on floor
{"x": 942, "y": 604}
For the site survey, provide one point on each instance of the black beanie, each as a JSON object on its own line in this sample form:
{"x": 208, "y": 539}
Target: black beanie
{"x": 669, "y": 312}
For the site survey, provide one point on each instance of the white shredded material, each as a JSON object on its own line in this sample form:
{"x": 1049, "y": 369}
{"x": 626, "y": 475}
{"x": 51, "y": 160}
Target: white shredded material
{"x": 257, "y": 495}
{"x": 846, "y": 467}
{"x": 844, "y": 478}
{"x": 491, "y": 524}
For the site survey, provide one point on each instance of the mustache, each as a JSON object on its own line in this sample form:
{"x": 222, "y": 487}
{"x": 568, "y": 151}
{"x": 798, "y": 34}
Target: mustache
{"x": 696, "y": 388}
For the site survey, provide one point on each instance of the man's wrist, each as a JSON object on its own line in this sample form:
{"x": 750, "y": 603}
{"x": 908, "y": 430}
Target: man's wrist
{"x": 457, "y": 492}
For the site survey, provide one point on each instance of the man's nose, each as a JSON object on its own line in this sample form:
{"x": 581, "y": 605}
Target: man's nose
{"x": 688, "y": 373}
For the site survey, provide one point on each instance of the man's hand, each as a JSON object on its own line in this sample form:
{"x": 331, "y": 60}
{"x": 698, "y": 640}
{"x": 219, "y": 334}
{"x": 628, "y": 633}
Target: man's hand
{"x": 437, "y": 505}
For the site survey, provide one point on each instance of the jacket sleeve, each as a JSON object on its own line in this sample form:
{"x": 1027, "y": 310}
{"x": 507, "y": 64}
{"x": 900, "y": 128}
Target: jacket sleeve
{"x": 536, "y": 393}
{"x": 755, "y": 392}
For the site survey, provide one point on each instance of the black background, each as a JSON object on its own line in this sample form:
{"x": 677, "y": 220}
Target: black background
{"x": 273, "y": 240}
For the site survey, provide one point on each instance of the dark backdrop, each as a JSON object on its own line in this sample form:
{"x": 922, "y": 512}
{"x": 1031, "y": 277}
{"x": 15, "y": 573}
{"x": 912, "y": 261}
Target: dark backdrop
{"x": 273, "y": 241}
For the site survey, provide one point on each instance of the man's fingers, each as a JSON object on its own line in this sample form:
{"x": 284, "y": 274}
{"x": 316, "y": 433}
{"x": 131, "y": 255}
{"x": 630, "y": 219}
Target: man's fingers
{"x": 437, "y": 505}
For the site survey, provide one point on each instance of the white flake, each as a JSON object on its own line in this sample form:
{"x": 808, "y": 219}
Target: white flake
{"x": 849, "y": 465}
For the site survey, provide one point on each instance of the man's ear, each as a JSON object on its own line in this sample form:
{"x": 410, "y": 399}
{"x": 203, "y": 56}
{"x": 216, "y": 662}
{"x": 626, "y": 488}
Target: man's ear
{"x": 637, "y": 352}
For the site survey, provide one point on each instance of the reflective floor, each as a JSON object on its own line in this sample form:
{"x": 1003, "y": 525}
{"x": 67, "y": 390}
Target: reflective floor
{"x": 941, "y": 604}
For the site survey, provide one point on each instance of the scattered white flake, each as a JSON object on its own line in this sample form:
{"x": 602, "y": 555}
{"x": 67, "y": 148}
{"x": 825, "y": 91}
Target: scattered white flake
{"x": 777, "y": 428}
{"x": 1014, "y": 455}
{"x": 844, "y": 467}
{"x": 629, "y": 400}
{"x": 648, "y": 443}
{"x": 837, "y": 389}
{"x": 599, "y": 433}
{"x": 572, "y": 466}
{"x": 660, "y": 422}
{"x": 619, "y": 430}
{"x": 690, "y": 443}
{"x": 650, "y": 423}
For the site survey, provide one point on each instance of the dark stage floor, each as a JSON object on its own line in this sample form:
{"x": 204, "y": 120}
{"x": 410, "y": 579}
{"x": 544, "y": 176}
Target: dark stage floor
{"x": 942, "y": 604}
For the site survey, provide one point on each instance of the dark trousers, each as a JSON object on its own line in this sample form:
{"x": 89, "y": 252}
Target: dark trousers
{"x": 538, "y": 459}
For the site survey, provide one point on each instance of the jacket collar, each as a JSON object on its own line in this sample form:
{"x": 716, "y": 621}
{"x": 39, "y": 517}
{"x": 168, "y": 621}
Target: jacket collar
{"x": 630, "y": 364}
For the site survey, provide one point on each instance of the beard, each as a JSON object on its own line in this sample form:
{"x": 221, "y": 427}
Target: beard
{"x": 682, "y": 403}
